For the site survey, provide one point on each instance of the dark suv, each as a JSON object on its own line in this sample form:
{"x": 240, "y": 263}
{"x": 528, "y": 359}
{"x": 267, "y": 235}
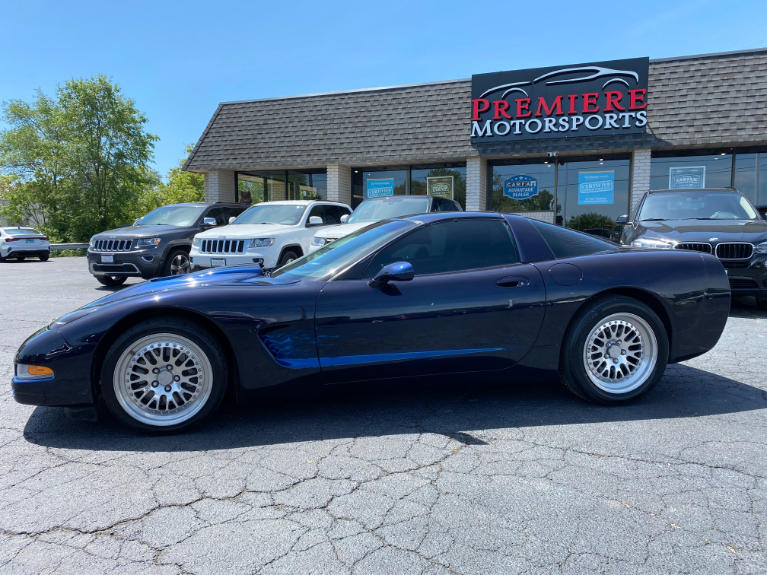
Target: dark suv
{"x": 721, "y": 222}
{"x": 157, "y": 244}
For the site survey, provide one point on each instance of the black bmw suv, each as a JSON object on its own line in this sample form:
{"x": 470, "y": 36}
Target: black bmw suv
{"x": 157, "y": 244}
{"x": 715, "y": 221}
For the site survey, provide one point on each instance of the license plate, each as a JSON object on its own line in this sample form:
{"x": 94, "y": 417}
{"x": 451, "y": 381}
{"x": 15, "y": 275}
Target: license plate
{"x": 217, "y": 262}
{"x": 30, "y": 241}
{"x": 107, "y": 259}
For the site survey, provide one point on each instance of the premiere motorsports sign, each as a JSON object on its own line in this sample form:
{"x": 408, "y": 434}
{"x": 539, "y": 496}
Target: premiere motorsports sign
{"x": 602, "y": 98}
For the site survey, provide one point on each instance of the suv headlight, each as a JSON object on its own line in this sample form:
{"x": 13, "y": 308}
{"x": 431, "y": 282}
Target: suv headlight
{"x": 93, "y": 241}
{"x": 651, "y": 243}
{"x": 319, "y": 241}
{"x": 261, "y": 242}
{"x": 196, "y": 242}
{"x": 148, "y": 242}
{"x": 762, "y": 248}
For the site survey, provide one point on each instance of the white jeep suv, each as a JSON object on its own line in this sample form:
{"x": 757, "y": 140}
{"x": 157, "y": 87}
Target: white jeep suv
{"x": 382, "y": 208}
{"x": 270, "y": 234}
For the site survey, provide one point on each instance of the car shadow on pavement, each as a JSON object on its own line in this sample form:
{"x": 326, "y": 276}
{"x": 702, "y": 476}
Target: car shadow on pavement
{"x": 453, "y": 409}
{"x": 746, "y": 308}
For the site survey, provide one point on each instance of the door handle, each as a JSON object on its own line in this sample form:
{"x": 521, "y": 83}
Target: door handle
{"x": 513, "y": 282}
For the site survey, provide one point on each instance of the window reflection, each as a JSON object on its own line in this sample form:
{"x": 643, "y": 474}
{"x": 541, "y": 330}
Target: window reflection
{"x": 680, "y": 172}
{"x": 445, "y": 181}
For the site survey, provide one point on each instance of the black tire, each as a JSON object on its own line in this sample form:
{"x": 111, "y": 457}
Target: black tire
{"x": 44, "y": 257}
{"x": 111, "y": 281}
{"x": 207, "y": 344}
{"x": 287, "y": 257}
{"x": 573, "y": 371}
{"x": 177, "y": 263}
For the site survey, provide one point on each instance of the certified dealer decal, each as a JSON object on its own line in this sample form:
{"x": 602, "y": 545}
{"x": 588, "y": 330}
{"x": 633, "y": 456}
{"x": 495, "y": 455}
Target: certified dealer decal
{"x": 581, "y": 100}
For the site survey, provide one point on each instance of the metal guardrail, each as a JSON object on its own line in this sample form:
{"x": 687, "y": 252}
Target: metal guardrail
{"x": 59, "y": 247}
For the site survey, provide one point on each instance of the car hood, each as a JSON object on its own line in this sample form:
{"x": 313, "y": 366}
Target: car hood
{"x": 136, "y": 232}
{"x": 340, "y": 230}
{"x": 246, "y": 231}
{"x": 703, "y": 230}
{"x": 220, "y": 277}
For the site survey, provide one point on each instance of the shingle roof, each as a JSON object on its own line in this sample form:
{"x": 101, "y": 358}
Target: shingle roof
{"x": 694, "y": 101}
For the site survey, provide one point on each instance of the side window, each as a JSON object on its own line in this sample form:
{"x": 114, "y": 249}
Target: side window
{"x": 318, "y": 211}
{"x": 219, "y": 214}
{"x": 333, "y": 214}
{"x": 566, "y": 243}
{"x": 446, "y": 205}
{"x": 450, "y": 247}
{"x": 434, "y": 204}
{"x": 233, "y": 212}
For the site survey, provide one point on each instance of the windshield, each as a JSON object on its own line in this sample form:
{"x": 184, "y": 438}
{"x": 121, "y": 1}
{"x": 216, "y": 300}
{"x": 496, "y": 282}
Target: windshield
{"x": 285, "y": 214}
{"x": 21, "y": 232}
{"x": 697, "y": 206}
{"x": 338, "y": 255}
{"x": 377, "y": 210}
{"x": 175, "y": 215}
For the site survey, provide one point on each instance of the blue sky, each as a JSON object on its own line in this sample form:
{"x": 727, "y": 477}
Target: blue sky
{"x": 178, "y": 60}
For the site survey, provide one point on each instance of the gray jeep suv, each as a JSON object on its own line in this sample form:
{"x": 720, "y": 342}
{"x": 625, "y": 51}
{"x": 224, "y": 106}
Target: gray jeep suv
{"x": 157, "y": 244}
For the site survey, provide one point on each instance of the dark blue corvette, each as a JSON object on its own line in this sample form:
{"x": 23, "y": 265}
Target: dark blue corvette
{"x": 427, "y": 295}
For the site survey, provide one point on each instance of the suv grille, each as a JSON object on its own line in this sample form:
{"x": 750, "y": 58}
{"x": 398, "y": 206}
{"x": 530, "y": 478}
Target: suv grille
{"x": 113, "y": 245}
{"x": 734, "y": 251}
{"x": 706, "y": 248}
{"x": 222, "y": 246}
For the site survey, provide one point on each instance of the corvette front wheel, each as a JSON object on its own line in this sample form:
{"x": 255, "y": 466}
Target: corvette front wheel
{"x": 615, "y": 350}
{"x": 164, "y": 376}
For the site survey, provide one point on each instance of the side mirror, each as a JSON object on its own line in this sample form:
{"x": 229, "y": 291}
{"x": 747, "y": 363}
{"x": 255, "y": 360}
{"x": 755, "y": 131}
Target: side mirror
{"x": 622, "y": 219}
{"x": 344, "y": 218}
{"x": 208, "y": 222}
{"x": 135, "y": 222}
{"x": 396, "y": 272}
{"x": 315, "y": 221}
{"x": 232, "y": 219}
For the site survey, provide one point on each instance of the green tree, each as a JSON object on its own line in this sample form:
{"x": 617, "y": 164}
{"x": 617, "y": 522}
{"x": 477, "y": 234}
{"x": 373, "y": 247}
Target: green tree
{"x": 590, "y": 221}
{"x": 81, "y": 159}
{"x": 181, "y": 187}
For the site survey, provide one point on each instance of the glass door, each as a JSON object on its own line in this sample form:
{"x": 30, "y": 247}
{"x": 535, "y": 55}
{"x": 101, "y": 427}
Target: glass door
{"x": 595, "y": 194}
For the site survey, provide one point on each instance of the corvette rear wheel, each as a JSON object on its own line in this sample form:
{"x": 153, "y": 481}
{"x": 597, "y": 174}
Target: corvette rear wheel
{"x": 615, "y": 350}
{"x": 164, "y": 376}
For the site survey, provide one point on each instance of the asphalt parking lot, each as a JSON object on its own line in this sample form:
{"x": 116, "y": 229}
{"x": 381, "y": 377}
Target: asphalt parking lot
{"x": 468, "y": 479}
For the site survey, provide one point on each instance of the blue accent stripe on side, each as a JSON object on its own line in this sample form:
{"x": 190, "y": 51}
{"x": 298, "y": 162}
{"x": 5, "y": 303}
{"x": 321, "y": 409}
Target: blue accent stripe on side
{"x": 389, "y": 357}
{"x": 47, "y": 378}
{"x": 299, "y": 363}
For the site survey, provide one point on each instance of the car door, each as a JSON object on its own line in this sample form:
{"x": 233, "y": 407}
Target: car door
{"x": 470, "y": 307}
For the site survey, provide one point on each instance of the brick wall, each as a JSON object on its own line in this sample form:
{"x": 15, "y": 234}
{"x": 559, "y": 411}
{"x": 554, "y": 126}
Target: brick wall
{"x": 219, "y": 186}
{"x": 476, "y": 184}
{"x": 340, "y": 184}
{"x": 640, "y": 175}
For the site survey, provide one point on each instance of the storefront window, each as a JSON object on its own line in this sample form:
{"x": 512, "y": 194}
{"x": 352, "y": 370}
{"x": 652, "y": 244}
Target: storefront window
{"x": 524, "y": 188}
{"x": 595, "y": 194}
{"x": 446, "y": 182}
{"x": 746, "y": 175}
{"x": 761, "y": 197}
{"x": 679, "y": 172}
{"x": 307, "y": 185}
{"x": 375, "y": 183}
{"x": 257, "y": 187}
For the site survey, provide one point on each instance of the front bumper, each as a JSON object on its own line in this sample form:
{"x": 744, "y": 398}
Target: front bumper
{"x": 139, "y": 263}
{"x": 265, "y": 259}
{"x": 748, "y": 278}
{"x": 70, "y": 384}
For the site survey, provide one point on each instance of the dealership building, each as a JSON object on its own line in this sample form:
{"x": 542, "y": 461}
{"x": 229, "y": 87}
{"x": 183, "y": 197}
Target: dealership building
{"x": 574, "y": 144}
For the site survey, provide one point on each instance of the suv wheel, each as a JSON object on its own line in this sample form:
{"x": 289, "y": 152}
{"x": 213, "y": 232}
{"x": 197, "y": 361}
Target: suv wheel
{"x": 177, "y": 263}
{"x": 288, "y": 257}
{"x": 111, "y": 281}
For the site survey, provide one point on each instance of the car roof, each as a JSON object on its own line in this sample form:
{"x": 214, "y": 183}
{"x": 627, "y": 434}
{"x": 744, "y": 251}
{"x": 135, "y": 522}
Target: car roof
{"x": 396, "y": 198}
{"x": 440, "y": 216}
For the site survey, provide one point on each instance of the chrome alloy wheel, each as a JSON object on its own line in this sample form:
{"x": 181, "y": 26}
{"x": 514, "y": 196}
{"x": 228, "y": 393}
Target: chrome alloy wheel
{"x": 163, "y": 379}
{"x": 620, "y": 353}
{"x": 180, "y": 265}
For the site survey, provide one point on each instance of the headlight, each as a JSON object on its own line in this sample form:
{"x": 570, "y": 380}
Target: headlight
{"x": 319, "y": 241}
{"x": 93, "y": 241}
{"x": 148, "y": 242}
{"x": 33, "y": 372}
{"x": 261, "y": 242}
{"x": 196, "y": 242}
{"x": 762, "y": 248}
{"x": 650, "y": 243}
